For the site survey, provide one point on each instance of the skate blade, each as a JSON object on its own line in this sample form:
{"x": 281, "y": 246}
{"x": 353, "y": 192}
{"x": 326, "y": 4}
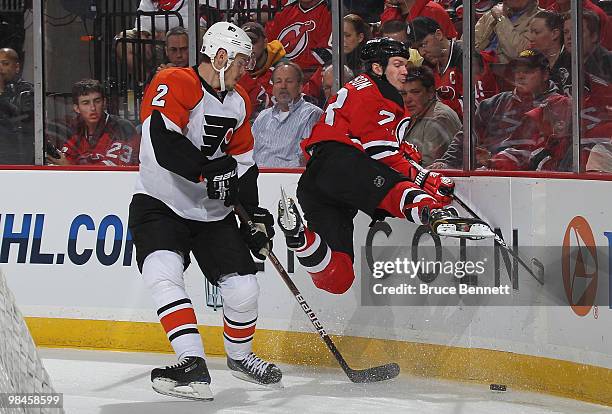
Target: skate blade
{"x": 247, "y": 378}
{"x": 475, "y": 232}
{"x": 198, "y": 391}
{"x": 286, "y": 219}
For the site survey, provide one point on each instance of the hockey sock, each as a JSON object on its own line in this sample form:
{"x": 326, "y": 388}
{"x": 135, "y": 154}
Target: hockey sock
{"x": 407, "y": 200}
{"x": 330, "y": 270}
{"x": 239, "y": 295}
{"x": 162, "y": 272}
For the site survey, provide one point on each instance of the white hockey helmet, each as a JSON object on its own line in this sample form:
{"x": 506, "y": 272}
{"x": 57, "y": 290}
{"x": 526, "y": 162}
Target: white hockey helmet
{"x": 231, "y": 38}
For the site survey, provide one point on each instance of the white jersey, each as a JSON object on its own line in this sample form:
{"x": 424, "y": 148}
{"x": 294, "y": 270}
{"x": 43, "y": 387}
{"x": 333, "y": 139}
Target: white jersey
{"x": 216, "y": 127}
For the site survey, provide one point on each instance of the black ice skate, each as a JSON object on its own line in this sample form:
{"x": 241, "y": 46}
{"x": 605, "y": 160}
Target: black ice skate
{"x": 290, "y": 222}
{"x": 187, "y": 379}
{"x": 255, "y": 369}
{"x": 446, "y": 222}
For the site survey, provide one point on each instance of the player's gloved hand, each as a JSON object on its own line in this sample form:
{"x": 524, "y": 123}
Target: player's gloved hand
{"x": 221, "y": 179}
{"x": 259, "y": 239}
{"x": 436, "y": 185}
{"x": 411, "y": 152}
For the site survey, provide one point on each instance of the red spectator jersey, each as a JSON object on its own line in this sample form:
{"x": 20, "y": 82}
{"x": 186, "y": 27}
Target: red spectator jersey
{"x": 305, "y": 34}
{"x": 449, "y": 80}
{"x": 544, "y": 140}
{"x": 423, "y": 8}
{"x": 114, "y": 143}
{"x": 365, "y": 114}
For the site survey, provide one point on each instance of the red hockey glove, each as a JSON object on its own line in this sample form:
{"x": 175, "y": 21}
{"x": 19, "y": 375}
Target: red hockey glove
{"x": 435, "y": 184}
{"x": 410, "y": 152}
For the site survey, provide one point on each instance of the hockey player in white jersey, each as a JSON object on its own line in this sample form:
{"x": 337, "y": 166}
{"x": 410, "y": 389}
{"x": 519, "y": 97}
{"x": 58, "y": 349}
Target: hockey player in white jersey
{"x": 195, "y": 162}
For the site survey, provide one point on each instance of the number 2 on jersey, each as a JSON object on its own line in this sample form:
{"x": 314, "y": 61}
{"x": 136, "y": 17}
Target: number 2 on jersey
{"x": 330, "y": 114}
{"x": 157, "y": 100}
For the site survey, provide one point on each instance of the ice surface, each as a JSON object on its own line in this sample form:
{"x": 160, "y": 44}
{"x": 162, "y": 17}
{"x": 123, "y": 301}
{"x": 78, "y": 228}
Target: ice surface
{"x": 118, "y": 383}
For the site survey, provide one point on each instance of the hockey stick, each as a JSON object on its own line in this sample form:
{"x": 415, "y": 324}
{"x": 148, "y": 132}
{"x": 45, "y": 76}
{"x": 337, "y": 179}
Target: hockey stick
{"x": 499, "y": 240}
{"x": 380, "y": 373}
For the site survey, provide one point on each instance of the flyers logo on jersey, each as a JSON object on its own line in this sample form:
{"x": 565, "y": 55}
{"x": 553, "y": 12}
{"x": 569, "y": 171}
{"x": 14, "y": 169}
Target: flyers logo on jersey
{"x": 295, "y": 37}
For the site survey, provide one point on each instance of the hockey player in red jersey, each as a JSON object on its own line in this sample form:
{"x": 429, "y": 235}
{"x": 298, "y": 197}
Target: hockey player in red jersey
{"x": 304, "y": 29}
{"x": 195, "y": 162}
{"x": 357, "y": 163}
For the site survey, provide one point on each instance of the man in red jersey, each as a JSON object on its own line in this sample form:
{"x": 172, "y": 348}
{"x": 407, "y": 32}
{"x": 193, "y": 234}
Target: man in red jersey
{"x": 357, "y": 163}
{"x": 100, "y": 138}
{"x": 304, "y": 29}
{"x": 445, "y": 58}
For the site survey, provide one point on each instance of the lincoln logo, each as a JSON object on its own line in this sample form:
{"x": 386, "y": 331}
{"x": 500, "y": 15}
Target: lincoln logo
{"x": 295, "y": 38}
{"x": 579, "y": 266}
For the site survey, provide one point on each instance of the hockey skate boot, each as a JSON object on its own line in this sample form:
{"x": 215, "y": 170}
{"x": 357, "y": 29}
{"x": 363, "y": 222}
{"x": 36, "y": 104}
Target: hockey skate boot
{"x": 446, "y": 222}
{"x": 290, "y": 222}
{"x": 254, "y": 369}
{"x": 187, "y": 379}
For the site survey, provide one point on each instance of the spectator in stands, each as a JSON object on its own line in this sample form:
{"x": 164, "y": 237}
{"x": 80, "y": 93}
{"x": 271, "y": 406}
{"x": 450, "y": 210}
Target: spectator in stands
{"x": 279, "y": 130}
{"x": 398, "y": 30}
{"x": 16, "y": 112}
{"x": 395, "y": 29}
{"x": 304, "y": 30}
{"x": 546, "y": 35}
{"x": 256, "y": 82}
{"x": 597, "y": 59}
{"x": 99, "y": 138}
{"x": 605, "y": 21}
{"x": 411, "y": 9}
{"x": 504, "y": 29}
{"x": 177, "y": 48}
{"x": 445, "y": 57}
{"x": 600, "y": 159}
{"x": 328, "y": 81}
{"x": 432, "y": 124}
{"x": 356, "y": 34}
{"x": 498, "y": 118}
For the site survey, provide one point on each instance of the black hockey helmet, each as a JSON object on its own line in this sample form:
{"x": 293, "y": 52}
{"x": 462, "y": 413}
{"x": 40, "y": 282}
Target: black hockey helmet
{"x": 381, "y": 49}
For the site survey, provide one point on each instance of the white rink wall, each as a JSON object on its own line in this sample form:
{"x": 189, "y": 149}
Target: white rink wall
{"x": 65, "y": 254}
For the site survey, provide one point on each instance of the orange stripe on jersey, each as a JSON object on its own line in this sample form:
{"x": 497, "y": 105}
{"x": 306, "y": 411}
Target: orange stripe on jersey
{"x": 174, "y": 92}
{"x": 238, "y": 332}
{"x": 242, "y": 139}
{"x": 177, "y": 318}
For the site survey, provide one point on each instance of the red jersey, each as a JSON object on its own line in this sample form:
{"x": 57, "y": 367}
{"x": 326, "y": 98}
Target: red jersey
{"x": 423, "y": 8}
{"x": 114, "y": 143}
{"x": 259, "y": 90}
{"x": 449, "y": 80}
{"x": 305, "y": 34}
{"x": 365, "y": 114}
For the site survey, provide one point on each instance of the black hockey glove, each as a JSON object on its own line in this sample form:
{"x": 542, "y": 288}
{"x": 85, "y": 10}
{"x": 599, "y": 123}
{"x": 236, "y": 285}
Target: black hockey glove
{"x": 259, "y": 240}
{"x": 221, "y": 179}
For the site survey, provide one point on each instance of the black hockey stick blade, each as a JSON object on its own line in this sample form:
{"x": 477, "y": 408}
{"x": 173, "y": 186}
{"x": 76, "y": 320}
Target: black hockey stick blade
{"x": 374, "y": 374}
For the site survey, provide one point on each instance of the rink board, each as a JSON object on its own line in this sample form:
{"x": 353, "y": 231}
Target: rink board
{"x": 70, "y": 263}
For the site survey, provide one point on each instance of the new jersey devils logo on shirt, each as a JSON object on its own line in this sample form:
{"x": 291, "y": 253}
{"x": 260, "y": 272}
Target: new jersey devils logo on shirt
{"x": 295, "y": 37}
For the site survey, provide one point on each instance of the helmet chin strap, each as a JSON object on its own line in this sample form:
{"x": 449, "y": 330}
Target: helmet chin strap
{"x": 222, "y": 73}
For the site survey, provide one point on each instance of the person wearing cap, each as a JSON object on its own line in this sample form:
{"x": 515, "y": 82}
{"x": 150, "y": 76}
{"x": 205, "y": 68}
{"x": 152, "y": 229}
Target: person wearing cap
{"x": 196, "y": 163}
{"x": 398, "y": 30}
{"x": 445, "y": 58}
{"x": 498, "y": 119}
{"x": 409, "y": 10}
{"x": 256, "y": 81}
{"x": 504, "y": 29}
{"x": 432, "y": 124}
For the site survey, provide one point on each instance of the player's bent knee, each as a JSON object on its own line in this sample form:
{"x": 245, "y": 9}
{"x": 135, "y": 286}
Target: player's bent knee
{"x": 240, "y": 292}
{"x": 163, "y": 266}
{"x": 338, "y": 275}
